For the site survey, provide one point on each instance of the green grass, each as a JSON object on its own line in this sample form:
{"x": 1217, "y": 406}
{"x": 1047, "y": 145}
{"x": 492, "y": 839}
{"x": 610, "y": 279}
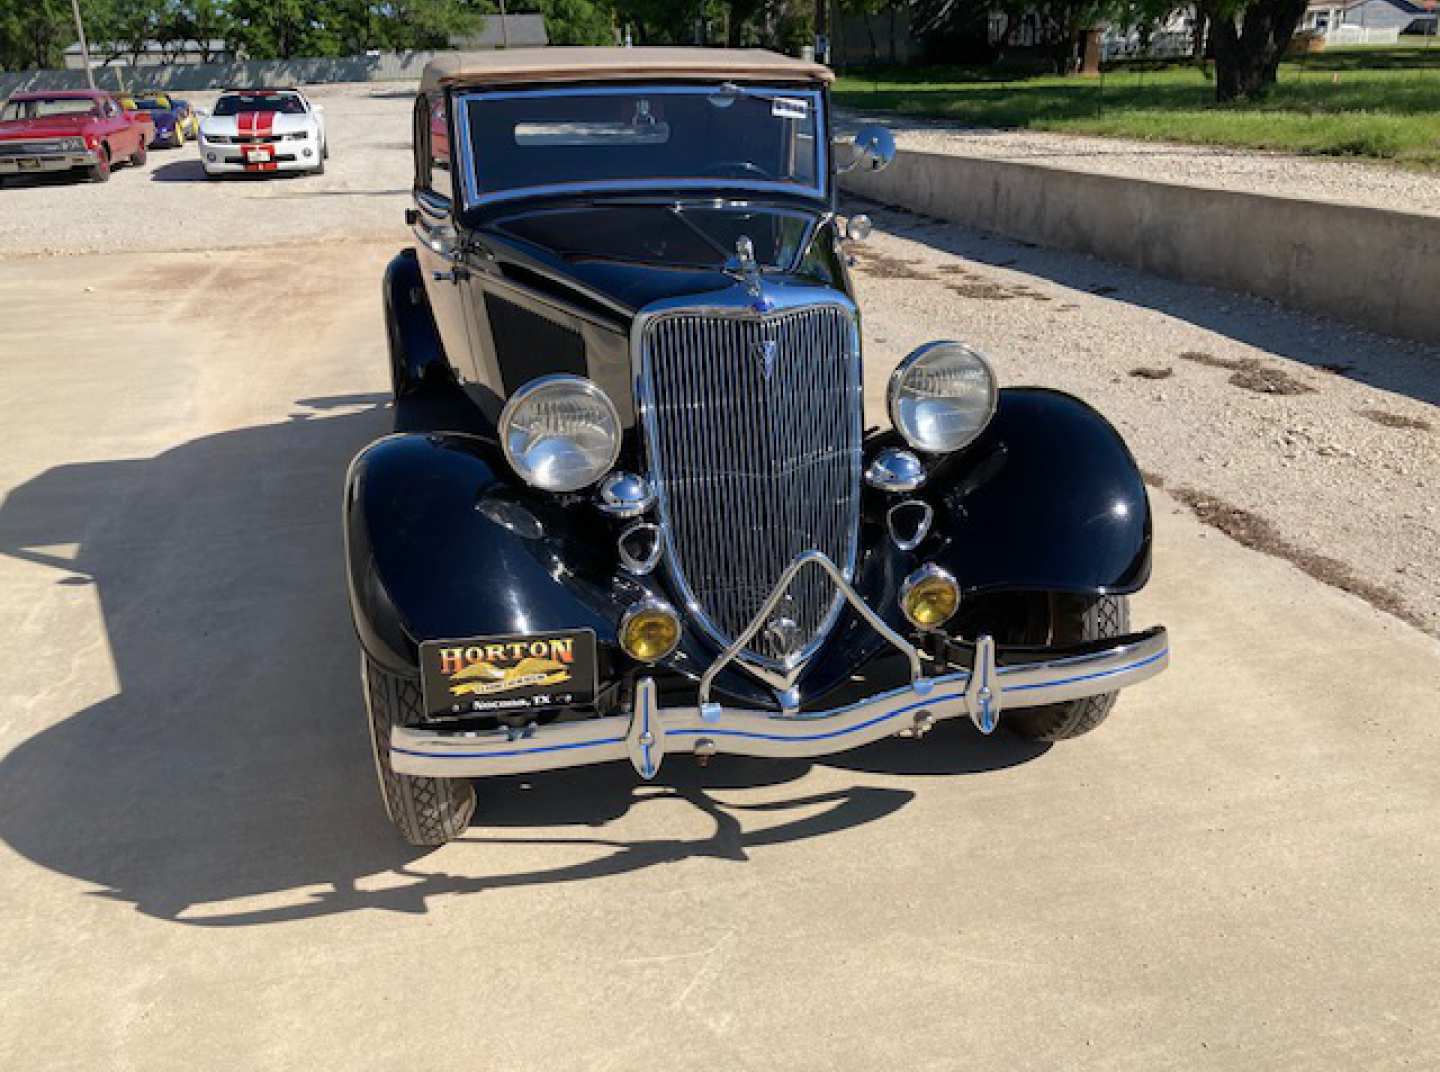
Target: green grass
{"x": 1369, "y": 102}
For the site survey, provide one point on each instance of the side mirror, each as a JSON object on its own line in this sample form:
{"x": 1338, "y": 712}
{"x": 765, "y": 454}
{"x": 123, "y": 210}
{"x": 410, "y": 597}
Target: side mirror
{"x": 874, "y": 149}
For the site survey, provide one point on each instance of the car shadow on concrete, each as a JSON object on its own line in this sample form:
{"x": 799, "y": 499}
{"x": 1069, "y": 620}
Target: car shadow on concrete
{"x": 73, "y": 177}
{"x": 192, "y": 170}
{"x": 228, "y": 779}
{"x": 1327, "y": 345}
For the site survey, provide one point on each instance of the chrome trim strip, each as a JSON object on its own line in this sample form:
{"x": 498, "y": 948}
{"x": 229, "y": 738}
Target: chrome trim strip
{"x": 736, "y": 303}
{"x": 755, "y": 733}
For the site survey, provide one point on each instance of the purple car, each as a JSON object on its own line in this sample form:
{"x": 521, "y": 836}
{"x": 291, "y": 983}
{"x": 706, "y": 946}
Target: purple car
{"x": 169, "y": 131}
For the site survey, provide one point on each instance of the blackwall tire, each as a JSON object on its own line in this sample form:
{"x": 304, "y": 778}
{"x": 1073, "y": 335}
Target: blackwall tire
{"x": 426, "y": 811}
{"x": 100, "y": 170}
{"x": 1074, "y": 619}
{"x": 139, "y": 156}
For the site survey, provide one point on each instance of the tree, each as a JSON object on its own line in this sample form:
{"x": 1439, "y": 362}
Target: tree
{"x": 1250, "y": 38}
{"x": 578, "y": 22}
{"x": 34, "y": 33}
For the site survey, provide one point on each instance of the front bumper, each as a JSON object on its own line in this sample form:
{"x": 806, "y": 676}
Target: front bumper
{"x": 991, "y": 684}
{"x": 29, "y": 165}
{"x": 231, "y": 159}
{"x": 651, "y": 732}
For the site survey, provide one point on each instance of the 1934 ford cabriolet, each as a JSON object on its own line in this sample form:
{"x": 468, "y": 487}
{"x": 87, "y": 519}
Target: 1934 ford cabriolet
{"x": 632, "y": 509}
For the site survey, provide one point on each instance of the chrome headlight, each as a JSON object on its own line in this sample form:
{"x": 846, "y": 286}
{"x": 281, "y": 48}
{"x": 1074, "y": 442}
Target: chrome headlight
{"x": 941, "y": 397}
{"x": 560, "y": 433}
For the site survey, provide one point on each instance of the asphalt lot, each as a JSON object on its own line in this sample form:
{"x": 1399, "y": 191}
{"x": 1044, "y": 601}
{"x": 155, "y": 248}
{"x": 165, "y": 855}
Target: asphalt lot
{"x": 1237, "y": 871}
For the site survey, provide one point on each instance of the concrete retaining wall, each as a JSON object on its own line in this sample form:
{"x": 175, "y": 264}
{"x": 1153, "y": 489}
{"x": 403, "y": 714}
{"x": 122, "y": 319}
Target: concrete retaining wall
{"x": 386, "y": 67}
{"x": 1372, "y": 267}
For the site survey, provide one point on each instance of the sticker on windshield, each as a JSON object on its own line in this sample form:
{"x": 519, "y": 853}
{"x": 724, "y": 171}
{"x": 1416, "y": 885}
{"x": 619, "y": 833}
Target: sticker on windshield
{"x": 789, "y": 108}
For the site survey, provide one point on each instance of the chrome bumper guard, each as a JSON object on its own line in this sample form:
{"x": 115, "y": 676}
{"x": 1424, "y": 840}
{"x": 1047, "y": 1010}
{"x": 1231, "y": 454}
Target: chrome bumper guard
{"x": 25, "y": 165}
{"x": 650, "y": 732}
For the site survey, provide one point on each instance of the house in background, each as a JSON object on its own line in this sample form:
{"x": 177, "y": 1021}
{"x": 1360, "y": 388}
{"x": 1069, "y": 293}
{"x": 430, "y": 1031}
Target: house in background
{"x": 150, "y": 54}
{"x": 1381, "y": 16}
{"x": 505, "y": 31}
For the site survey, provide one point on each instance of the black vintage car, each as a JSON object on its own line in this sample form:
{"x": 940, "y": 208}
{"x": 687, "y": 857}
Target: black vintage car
{"x": 632, "y": 508}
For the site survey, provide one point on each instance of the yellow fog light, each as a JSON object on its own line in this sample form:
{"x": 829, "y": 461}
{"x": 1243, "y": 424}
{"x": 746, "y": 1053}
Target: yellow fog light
{"x": 649, "y": 631}
{"x": 929, "y": 597}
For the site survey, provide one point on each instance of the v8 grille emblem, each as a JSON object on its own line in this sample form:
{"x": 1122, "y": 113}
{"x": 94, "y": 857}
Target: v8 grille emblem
{"x": 765, "y": 353}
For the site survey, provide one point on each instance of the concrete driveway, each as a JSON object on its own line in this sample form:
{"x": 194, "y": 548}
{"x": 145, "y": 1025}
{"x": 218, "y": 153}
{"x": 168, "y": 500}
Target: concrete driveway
{"x": 1238, "y": 871}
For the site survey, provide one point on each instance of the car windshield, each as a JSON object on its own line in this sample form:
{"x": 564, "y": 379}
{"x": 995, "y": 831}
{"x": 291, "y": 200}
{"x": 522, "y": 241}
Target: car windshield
{"x": 234, "y": 103}
{"x": 625, "y": 136}
{"x": 37, "y": 108}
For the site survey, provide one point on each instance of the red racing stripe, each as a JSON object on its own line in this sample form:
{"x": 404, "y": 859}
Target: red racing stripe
{"x": 264, "y": 122}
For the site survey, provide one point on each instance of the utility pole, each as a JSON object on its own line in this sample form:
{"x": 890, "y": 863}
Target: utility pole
{"x": 504, "y": 27}
{"x": 84, "y": 47}
{"x": 822, "y": 31}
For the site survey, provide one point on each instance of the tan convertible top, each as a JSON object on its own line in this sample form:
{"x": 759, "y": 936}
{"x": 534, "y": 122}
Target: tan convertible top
{"x": 569, "y": 63}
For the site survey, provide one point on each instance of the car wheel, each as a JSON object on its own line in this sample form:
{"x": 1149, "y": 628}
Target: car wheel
{"x": 320, "y": 167}
{"x": 1075, "y": 619}
{"x": 426, "y": 811}
{"x": 100, "y": 170}
{"x": 140, "y": 154}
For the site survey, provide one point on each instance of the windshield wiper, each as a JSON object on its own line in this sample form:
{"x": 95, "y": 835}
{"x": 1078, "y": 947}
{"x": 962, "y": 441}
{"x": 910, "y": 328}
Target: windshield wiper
{"x": 708, "y": 239}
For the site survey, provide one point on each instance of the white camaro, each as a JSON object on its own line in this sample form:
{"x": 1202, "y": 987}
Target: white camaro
{"x": 261, "y": 130}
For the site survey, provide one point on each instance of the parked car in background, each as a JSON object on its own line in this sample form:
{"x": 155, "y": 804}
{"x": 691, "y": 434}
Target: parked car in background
{"x": 189, "y": 121}
{"x": 139, "y": 116}
{"x": 263, "y": 130}
{"x": 634, "y": 509}
{"x": 167, "y": 132}
{"x": 84, "y": 131}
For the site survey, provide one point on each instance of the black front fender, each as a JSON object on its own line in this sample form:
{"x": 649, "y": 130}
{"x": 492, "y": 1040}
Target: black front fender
{"x": 440, "y": 544}
{"x": 1048, "y": 498}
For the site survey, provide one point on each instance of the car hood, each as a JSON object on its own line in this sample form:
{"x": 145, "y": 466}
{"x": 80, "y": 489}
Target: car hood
{"x": 256, "y": 123}
{"x": 53, "y": 126}
{"x": 630, "y": 253}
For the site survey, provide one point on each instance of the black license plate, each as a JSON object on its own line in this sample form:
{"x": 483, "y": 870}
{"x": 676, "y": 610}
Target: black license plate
{"x": 499, "y": 675}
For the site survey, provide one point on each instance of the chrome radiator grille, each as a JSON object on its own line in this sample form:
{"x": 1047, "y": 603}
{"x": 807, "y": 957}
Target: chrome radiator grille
{"x": 30, "y": 148}
{"x": 753, "y": 429}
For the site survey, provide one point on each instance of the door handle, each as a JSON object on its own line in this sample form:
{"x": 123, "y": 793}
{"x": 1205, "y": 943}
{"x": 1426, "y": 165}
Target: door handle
{"x": 458, "y": 274}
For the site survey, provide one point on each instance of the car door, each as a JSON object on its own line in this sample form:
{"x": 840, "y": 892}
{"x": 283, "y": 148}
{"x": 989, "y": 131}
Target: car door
{"x": 121, "y": 133}
{"x": 438, "y": 241}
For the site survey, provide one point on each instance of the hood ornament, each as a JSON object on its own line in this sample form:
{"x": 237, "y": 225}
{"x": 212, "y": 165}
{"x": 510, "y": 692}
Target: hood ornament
{"x": 744, "y": 267}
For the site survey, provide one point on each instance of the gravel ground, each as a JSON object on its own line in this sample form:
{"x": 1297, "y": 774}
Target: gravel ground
{"x": 1243, "y": 170}
{"x": 1299, "y": 436}
{"x": 169, "y": 204}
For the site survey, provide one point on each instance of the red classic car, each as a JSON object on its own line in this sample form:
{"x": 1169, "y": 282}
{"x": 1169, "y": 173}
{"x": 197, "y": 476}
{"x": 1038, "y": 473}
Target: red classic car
{"x": 62, "y": 131}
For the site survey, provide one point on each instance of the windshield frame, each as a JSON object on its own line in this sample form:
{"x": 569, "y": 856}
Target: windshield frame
{"x": 462, "y": 99}
{"x": 279, "y": 95}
